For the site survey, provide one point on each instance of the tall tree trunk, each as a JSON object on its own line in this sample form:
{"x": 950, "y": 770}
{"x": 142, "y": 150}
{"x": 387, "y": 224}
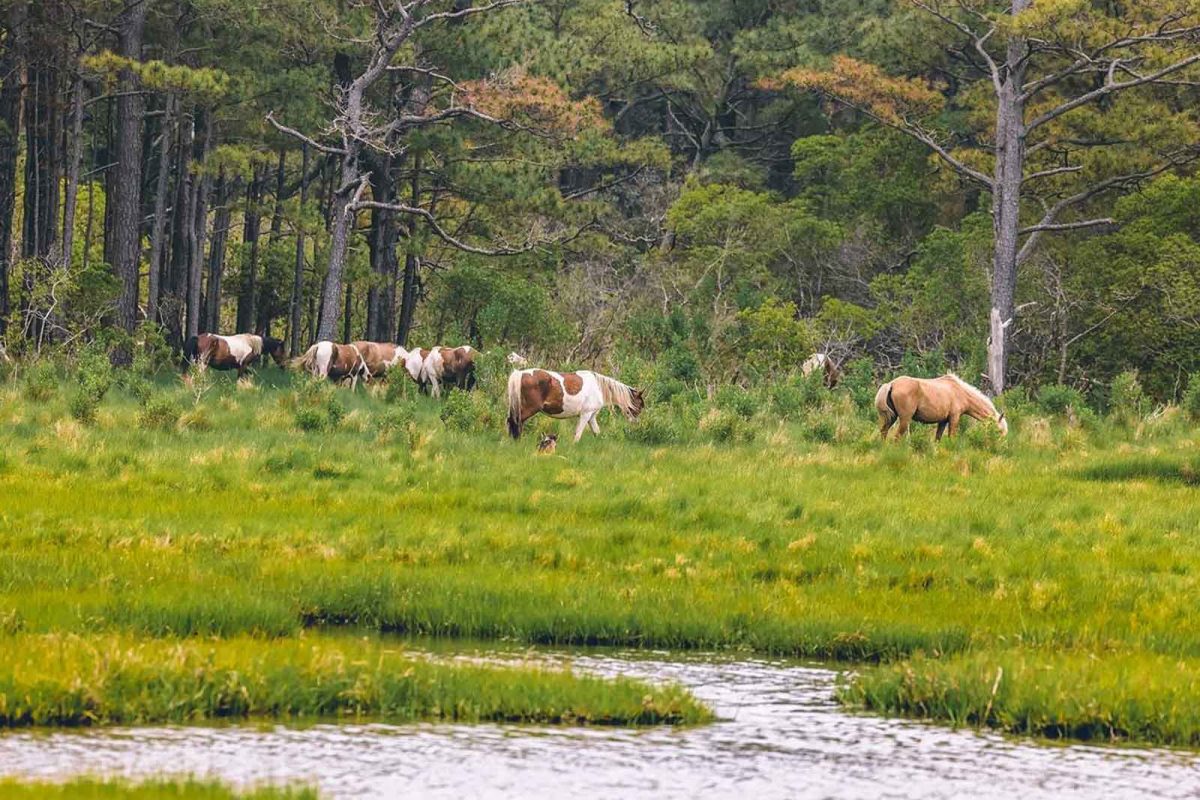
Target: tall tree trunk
{"x": 216, "y": 254}
{"x": 298, "y": 273}
{"x": 42, "y": 138}
{"x": 381, "y": 300}
{"x": 347, "y": 333}
{"x": 412, "y": 265}
{"x": 159, "y": 231}
{"x": 277, "y": 213}
{"x": 198, "y": 232}
{"x": 74, "y": 164}
{"x": 342, "y": 222}
{"x": 1006, "y": 207}
{"x": 10, "y": 122}
{"x": 174, "y": 301}
{"x": 250, "y": 233}
{"x": 127, "y": 180}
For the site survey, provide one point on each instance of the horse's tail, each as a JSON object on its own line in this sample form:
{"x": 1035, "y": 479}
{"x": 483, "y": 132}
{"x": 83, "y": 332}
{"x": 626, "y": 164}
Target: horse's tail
{"x": 884, "y": 404}
{"x": 890, "y": 404}
{"x": 616, "y": 394}
{"x": 514, "y": 404}
{"x": 307, "y": 360}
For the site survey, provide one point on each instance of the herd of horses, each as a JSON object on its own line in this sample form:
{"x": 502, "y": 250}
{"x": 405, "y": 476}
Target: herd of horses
{"x": 942, "y": 401}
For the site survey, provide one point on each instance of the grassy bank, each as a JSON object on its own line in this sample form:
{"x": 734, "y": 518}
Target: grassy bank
{"x": 112, "y": 789}
{"x": 239, "y": 515}
{"x": 57, "y": 679}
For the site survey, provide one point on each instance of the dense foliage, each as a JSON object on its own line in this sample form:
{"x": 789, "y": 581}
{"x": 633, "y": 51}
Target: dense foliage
{"x": 721, "y": 187}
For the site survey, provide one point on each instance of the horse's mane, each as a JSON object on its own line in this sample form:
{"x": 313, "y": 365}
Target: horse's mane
{"x": 971, "y": 390}
{"x": 615, "y": 393}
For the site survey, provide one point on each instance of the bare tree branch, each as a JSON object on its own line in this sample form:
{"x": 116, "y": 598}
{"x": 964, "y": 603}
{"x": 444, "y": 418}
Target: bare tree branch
{"x": 298, "y": 135}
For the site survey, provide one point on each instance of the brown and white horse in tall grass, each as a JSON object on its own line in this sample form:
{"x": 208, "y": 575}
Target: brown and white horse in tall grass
{"x": 380, "y": 357}
{"x": 567, "y": 394}
{"x": 449, "y": 365}
{"x": 335, "y": 362}
{"x": 239, "y": 351}
{"x": 934, "y": 401}
{"x": 822, "y": 362}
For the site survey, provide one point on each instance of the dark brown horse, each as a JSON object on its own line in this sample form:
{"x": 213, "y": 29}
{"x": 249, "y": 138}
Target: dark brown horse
{"x": 239, "y": 351}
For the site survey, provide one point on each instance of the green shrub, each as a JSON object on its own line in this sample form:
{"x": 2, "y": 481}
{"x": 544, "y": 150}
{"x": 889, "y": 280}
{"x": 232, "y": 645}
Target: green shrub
{"x": 727, "y": 427}
{"x": 94, "y": 377}
{"x": 83, "y": 406}
{"x": 656, "y": 425}
{"x": 821, "y": 428}
{"x": 1056, "y": 398}
{"x": 160, "y": 412}
{"x": 1191, "y": 397}
{"x": 858, "y": 378}
{"x": 395, "y": 419}
{"x": 738, "y": 400}
{"x": 1127, "y": 401}
{"x": 786, "y": 400}
{"x": 41, "y": 382}
{"x": 318, "y": 406}
{"x": 469, "y": 411}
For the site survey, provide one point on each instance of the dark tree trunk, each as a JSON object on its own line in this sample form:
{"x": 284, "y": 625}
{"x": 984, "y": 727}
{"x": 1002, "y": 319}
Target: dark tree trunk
{"x": 127, "y": 178}
{"x": 74, "y": 164}
{"x": 277, "y": 213}
{"x": 250, "y": 233}
{"x": 197, "y": 235}
{"x": 412, "y": 266}
{"x": 298, "y": 273}
{"x": 341, "y": 221}
{"x": 347, "y": 333}
{"x": 42, "y": 138}
{"x": 174, "y": 301}
{"x": 10, "y": 122}
{"x": 381, "y": 292}
{"x": 216, "y": 255}
{"x": 158, "y": 233}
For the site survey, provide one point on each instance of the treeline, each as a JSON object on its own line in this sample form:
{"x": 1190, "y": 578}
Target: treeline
{"x": 1005, "y": 189}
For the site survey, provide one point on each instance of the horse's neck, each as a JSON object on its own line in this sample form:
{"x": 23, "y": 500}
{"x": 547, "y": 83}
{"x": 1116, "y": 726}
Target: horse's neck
{"x": 979, "y": 408}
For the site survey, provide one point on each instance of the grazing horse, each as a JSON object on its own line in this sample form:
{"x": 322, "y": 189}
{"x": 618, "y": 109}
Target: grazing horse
{"x": 335, "y": 362}
{"x": 380, "y": 356}
{"x": 934, "y": 401}
{"x": 414, "y": 364}
{"x": 567, "y": 394}
{"x": 517, "y": 360}
{"x": 821, "y": 361}
{"x": 238, "y": 352}
{"x": 451, "y": 365}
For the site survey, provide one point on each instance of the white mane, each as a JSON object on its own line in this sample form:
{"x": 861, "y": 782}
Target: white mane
{"x": 976, "y": 393}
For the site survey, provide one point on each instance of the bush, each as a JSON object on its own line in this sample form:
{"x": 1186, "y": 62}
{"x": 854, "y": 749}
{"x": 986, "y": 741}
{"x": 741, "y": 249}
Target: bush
{"x": 656, "y": 425}
{"x": 1056, "y": 398}
{"x": 1127, "y": 401}
{"x": 821, "y": 428}
{"x": 1191, "y": 397}
{"x": 737, "y": 400}
{"x": 469, "y": 411}
{"x": 858, "y": 378}
{"x": 726, "y": 427}
{"x": 787, "y": 400}
{"x": 83, "y": 406}
{"x": 94, "y": 377}
{"x": 41, "y": 382}
{"x": 318, "y": 407}
{"x": 160, "y": 412}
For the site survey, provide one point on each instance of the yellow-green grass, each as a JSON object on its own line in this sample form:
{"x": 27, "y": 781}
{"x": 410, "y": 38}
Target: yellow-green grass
{"x": 1141, "y": 696}
{"x": 164, "y": 789}
{"x": 66, "y": 679}
{"x": 1055, "y": 540}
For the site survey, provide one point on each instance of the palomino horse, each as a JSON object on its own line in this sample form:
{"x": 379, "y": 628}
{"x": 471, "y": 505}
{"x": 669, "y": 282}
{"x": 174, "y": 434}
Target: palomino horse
{"x": 380, "y": 356}
{"x": 821, "y": 361}
{"x": 942, "y": 401}
{"x": 567, "y": 394}
{"x": 238, "y": 352}
{"x": 451, "y": 365}
{"x": 335, "y": 362}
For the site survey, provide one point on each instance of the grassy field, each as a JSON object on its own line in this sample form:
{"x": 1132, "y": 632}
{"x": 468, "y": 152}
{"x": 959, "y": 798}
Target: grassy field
{"x": 1066, "y": 556}
{"x": 95, "y": 789}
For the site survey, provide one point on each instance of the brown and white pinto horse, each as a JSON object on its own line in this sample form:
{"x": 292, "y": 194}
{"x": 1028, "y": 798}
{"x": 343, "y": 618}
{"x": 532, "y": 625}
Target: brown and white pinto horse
{"x": 450, "y": 365}
{"x": 938, "y": 401}
{"x": 380, "y": 357}
{"x": 335, "y": 362}
{"x": 239, "y": 351}
{"x": 567, "y": 394}
{"x": 822, "y": 361}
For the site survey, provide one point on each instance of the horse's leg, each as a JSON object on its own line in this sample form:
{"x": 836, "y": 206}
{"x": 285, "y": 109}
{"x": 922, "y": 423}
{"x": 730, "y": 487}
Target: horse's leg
{"x": 902, "y": 428}
{"x": 886, "y": 421}
{"x": 592, "y": 422}
{"x": 954, "y": 420}
{"x": 583, "y": 419}
{"x": 941, "y": 429}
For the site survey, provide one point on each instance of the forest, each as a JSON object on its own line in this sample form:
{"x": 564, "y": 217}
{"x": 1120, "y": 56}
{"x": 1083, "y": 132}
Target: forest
{"x": 718, "y": 186}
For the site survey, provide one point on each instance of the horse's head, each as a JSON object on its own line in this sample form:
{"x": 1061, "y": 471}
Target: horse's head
{"x": 274, "y": 348}
{"x": 637, "y": 403}
{"x": 1002, "y": 424}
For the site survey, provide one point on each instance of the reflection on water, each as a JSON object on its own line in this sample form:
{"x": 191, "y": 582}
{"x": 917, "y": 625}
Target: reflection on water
{"x": 781, "y": 736}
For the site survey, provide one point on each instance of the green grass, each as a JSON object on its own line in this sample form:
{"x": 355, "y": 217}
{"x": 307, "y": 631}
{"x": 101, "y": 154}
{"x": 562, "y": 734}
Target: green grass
{"x": 166, "y": 789}
{"x": 238, "y": 522}
{"x": 68, "y": 680}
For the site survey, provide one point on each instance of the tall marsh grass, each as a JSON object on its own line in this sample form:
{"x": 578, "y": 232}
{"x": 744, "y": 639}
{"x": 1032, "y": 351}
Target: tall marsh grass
{"x": 161, "y": 789}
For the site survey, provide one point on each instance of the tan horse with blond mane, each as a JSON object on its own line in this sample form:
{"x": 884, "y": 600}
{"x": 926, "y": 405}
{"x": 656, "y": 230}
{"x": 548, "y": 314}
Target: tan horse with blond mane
{"x": 933, "y": 401}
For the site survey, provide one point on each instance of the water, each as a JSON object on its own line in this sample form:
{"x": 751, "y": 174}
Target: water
{"x": 781, "y": 735}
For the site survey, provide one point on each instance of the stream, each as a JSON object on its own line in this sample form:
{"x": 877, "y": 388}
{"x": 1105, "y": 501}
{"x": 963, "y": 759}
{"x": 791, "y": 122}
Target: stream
{"x": 780, "y": 735}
